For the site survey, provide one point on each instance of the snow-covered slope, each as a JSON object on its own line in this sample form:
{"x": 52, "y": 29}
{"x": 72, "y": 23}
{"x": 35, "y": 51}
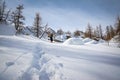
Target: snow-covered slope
{"x": 24, "y": 59}
{"x": 6, "y": 29}
{"x": 28, "y": 58}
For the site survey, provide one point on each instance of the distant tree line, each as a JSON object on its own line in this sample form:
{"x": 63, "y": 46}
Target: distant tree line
{"x": 97, "y": 32}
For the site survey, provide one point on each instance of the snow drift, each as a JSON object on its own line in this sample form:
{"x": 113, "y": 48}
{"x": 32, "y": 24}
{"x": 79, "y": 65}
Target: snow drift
{"x": 74, "y": 41}
{"x": 7, "y": 29}
{"x": 60, "y": 38}
{"x": 87, "y": 40}
{"x": 92, "y": 42}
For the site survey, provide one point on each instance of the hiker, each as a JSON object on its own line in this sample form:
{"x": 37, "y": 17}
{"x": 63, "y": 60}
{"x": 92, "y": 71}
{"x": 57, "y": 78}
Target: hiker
{"x": 51, "y": 37}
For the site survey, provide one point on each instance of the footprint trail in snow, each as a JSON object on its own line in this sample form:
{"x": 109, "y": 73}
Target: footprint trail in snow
{"x": 42, "y": 67}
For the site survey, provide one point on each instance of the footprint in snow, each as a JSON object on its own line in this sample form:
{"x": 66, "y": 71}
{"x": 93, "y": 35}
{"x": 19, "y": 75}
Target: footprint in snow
{"x": 9, "y": 64}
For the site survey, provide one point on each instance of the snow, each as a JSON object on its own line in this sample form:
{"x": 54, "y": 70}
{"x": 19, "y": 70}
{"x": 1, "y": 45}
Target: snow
{"x": 87, "y": 40}
{"x": 92, "y": 42}
{"x": 60, "y": 38}
{"x": 28, "y": 58}
{"x": 101, "y": 41}
{"x": 74, "y": 41}
{"x": 6, "y": 29}
{"x": 81, "y": 41}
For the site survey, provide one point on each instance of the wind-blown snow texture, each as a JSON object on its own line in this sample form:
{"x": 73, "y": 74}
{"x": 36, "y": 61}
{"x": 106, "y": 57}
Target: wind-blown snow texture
{"x": 28, "y": 58}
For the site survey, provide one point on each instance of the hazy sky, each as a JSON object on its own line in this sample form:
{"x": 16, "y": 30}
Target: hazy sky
{"x": 70, "y": 14}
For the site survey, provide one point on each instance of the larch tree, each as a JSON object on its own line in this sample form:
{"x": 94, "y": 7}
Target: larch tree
{"x": 37, "y": 25}
{"x": 76, "y": 33}
{"x": 96, "y": 32}
{"x": 112, "y": 32}
{"x": 100, "y": 32}
{"x": 4, "y": 14}
{"x": 108, "y": 36}
{"x": 17, "y": 18}
{"x": 118, "y": 26}
{"x": 118, "y": 30}
{"x": 89, "y": 31}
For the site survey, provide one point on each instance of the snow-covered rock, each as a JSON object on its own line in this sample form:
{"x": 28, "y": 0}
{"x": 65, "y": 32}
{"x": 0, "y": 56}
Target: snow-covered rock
{"x": 92, "y": 42}
{"x": 101, "y": 41}
{"x": 60, "y": 38}
{"x": 87, "y": 40}
{"x": 74, "y": 41}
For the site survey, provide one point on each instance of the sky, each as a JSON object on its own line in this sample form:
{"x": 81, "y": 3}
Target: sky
{"x": 69, "y": 15}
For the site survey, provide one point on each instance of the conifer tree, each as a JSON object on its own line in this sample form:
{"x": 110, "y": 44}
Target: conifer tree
{"x": 37, "y": 25}
{"x": 4, "y": 14}
{"x": 77, "y": 33}
{"x": 17, "y": 18}
{"x": 89, "y": 31}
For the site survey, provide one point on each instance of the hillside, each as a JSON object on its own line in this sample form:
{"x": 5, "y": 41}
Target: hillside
{"x": 29, "y": 58}
{"x": 7, "y": 29}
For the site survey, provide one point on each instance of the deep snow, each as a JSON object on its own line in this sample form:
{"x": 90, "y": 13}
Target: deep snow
{"x": 6, "y": 29}
{"x": 28, "y": 58}
{"x": 74, "y": 41}
{"x": 34, "y": 59}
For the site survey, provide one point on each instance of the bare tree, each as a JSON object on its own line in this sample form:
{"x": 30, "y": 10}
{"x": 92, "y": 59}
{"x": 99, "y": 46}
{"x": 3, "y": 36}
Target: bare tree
{"x": 17, "y": 18}
{"x": 89, "y": 31}
{"x": 77, "y": 33}
{"x": 37, "y": 25}
{"x": 2, "y": 10}
{"x": 4, "y": 14}
{"x": 100, "y": 32}
{"x": 108, "y": 36}
{"x": 45, "y": 30}
{"x": 112, "y": 32}
{"x": 118, "y": 25}
{"x": 118, "y": 30}
{"x": 96, "y": 32}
